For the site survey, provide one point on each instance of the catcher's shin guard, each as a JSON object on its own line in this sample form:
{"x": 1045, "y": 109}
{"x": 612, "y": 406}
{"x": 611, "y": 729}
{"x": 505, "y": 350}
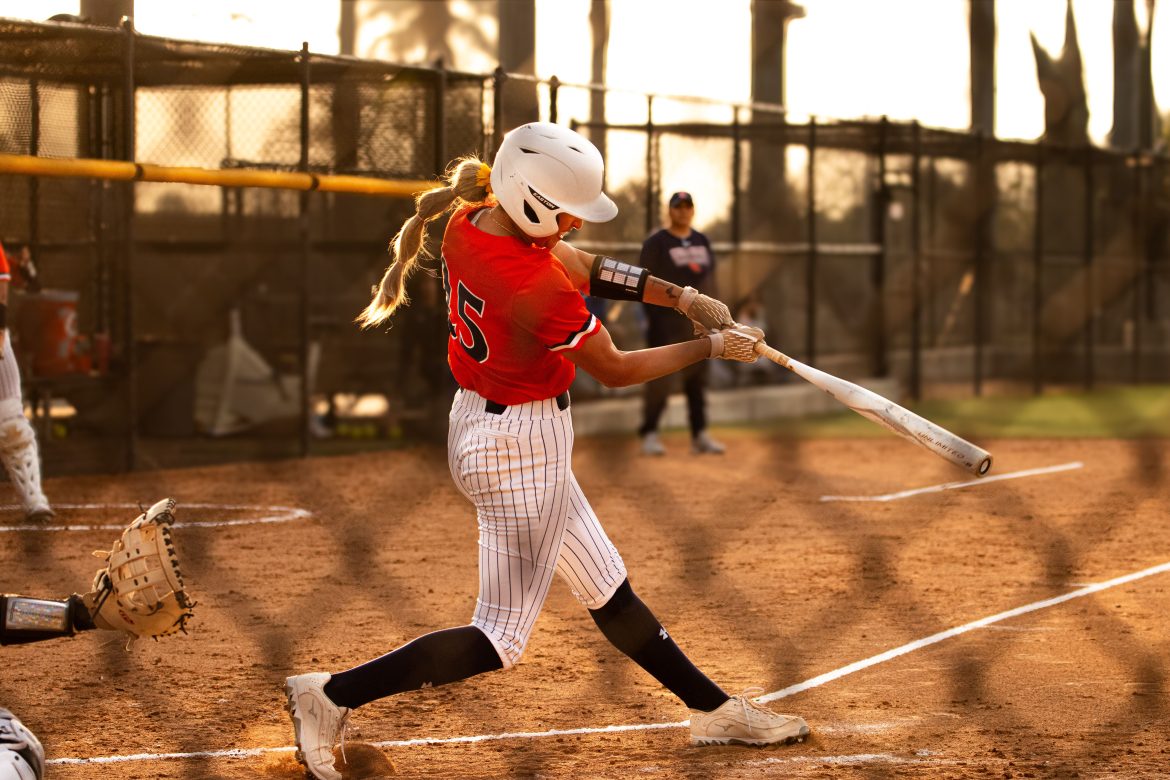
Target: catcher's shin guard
{"x": 18, "y": 450}
{"x": 24, "y": 619}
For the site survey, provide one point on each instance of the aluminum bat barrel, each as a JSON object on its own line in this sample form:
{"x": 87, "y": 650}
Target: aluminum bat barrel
{"x": 889, "y": 415}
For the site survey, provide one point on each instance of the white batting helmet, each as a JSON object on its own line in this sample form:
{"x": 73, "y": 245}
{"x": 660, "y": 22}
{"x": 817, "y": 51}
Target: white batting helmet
{"x": 541, "y": 170}
{"x": 21, "y": 754}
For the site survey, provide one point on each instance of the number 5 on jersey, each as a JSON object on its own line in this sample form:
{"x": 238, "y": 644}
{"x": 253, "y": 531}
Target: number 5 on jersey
{"x": 467, "y": 304}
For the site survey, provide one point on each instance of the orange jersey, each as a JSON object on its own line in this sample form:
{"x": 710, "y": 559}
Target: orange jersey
{"x": 512, "y": 312}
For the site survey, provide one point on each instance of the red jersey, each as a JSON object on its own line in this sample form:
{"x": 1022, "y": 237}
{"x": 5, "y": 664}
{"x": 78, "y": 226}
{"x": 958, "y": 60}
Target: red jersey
{"x": 512, "y": 312}
{"x": 5, "y": 271}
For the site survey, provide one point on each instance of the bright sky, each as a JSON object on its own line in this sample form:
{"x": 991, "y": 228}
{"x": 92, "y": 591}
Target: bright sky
{"x": 906, "y": 59}
{"x": 847, "y": 58}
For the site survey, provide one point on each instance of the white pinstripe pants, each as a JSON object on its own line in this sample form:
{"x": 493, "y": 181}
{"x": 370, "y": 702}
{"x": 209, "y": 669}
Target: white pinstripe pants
{"x": 516, "y": 468}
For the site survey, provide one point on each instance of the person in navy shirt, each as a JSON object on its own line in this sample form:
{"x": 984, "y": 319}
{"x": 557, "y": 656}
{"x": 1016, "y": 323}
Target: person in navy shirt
{"x": 682, "y": 255}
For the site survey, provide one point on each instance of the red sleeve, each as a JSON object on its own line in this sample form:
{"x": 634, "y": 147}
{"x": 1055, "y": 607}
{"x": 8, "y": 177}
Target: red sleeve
{"x": 5, "y": 271}
{"x": 550, "y": 308}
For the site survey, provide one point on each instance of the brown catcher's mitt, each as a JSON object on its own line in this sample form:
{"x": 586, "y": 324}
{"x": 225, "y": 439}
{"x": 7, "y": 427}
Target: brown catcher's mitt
{"x": 140, "y": 590}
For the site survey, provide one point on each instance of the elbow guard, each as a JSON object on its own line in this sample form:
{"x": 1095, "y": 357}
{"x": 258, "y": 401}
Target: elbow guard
{"x": 618, "y": 281}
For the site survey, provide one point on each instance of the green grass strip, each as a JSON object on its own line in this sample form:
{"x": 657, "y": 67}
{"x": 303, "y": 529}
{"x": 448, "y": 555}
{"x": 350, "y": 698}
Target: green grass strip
{"x": 1133, "y": 412}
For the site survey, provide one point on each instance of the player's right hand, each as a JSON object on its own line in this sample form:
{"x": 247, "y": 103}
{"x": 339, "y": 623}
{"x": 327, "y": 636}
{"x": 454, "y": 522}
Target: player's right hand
{"x": 737, "y": 342}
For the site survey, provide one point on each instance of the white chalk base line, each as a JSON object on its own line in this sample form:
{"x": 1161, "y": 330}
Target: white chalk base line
{"x": 275, "y": 514}
{"x": 856, "y": 759}
{"x": 780, "y": 694}
{"x": 918, "y": 644}
{"x": 959, "y": 485}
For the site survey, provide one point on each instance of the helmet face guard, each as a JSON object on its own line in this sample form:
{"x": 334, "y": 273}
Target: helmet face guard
{"x": 542, "y": 170}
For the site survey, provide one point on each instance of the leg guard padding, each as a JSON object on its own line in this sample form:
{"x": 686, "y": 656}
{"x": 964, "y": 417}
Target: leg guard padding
{"x": 18, "y": 451}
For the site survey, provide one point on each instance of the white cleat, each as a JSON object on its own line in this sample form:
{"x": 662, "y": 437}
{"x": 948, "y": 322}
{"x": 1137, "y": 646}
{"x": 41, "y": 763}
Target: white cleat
{"x": 703, "y": 444}
{"x": 741, "y": 721}
{"x": 652, "y": 445}
{"x": 318, "y": 723}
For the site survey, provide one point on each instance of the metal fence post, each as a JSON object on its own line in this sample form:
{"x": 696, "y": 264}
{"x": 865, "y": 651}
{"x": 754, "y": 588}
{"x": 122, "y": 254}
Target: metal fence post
{"x": 129, "y": 121}
{"x": 306, "y": 254}
{"x": 915, "y": 263}
{"x": 1090, "y": 297}
{"x": 736, "y": 189}
{"x": 440, "y": 117}
{"x": 1038, "y": 270}
{"x": 34, "y": 182}
{"x": 931, "y": 230}
{"x": 95, "y": 146}
{"x": 651, "y": 206}
{"x": 810, "y": 273}
{"x": 1140, "y": 213}
{"x": 878, "y": 263}
{"x": 978, "y": 269}
{"x": 499, "y": 77}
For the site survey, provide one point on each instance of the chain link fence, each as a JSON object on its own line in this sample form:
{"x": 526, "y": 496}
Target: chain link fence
{"x": 946, "y": 260}
{"x": 184, "y": 280}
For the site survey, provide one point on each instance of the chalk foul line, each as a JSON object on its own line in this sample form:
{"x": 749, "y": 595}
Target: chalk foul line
{"x": 814, "y": 682}
{"x": 277, "y": 514}
{"x": 958, "y": 485}
{"x": 918, "y": 644}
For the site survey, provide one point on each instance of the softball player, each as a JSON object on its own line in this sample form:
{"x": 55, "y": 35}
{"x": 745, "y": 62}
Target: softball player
{"x": 518, "y": 330}
{"x": 18, "y": 443}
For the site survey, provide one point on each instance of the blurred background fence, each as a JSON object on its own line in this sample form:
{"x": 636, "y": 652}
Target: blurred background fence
{"x": 204, "y": 323}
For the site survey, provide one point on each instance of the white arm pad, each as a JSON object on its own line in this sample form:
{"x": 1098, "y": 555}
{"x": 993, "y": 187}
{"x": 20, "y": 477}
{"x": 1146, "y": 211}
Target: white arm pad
{"x": 716, "y": 344}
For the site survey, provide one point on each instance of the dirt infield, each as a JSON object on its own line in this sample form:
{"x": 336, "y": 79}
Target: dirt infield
{"x": 758, "y": 579}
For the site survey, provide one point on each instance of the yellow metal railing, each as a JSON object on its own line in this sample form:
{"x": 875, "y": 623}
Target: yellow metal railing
{"x": 118, "y": 170}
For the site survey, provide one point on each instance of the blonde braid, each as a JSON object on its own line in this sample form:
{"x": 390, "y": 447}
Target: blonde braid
{"x": 467, "y": 181}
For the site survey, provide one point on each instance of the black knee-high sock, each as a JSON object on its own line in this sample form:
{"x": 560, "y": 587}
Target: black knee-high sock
{"x": 431, "y": 660}
{"x": 633, "y": 629}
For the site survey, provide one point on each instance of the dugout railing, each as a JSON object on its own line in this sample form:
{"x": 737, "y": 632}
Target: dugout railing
{"x": 871, "y": 248}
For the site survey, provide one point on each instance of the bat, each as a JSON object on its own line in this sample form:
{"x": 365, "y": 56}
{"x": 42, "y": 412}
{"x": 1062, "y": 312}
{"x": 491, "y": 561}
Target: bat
{"x": 888, "y": 414}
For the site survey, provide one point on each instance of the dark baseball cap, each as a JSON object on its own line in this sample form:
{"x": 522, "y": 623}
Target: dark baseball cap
{"x": 681, "y": 199}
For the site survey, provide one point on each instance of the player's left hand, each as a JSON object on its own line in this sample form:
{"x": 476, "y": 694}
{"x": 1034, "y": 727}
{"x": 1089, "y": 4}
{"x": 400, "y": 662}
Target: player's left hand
{"x": 140, "y": 590}
{"x": 704, "y": 311}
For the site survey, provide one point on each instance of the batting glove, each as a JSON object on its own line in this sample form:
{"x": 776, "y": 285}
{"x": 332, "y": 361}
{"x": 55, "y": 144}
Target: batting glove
{"x": 703, "y": 310}
{"x": 737, "y": 342}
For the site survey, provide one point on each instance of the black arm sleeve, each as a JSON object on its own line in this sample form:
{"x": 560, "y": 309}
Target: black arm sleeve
{"x": 618, "y": 281}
